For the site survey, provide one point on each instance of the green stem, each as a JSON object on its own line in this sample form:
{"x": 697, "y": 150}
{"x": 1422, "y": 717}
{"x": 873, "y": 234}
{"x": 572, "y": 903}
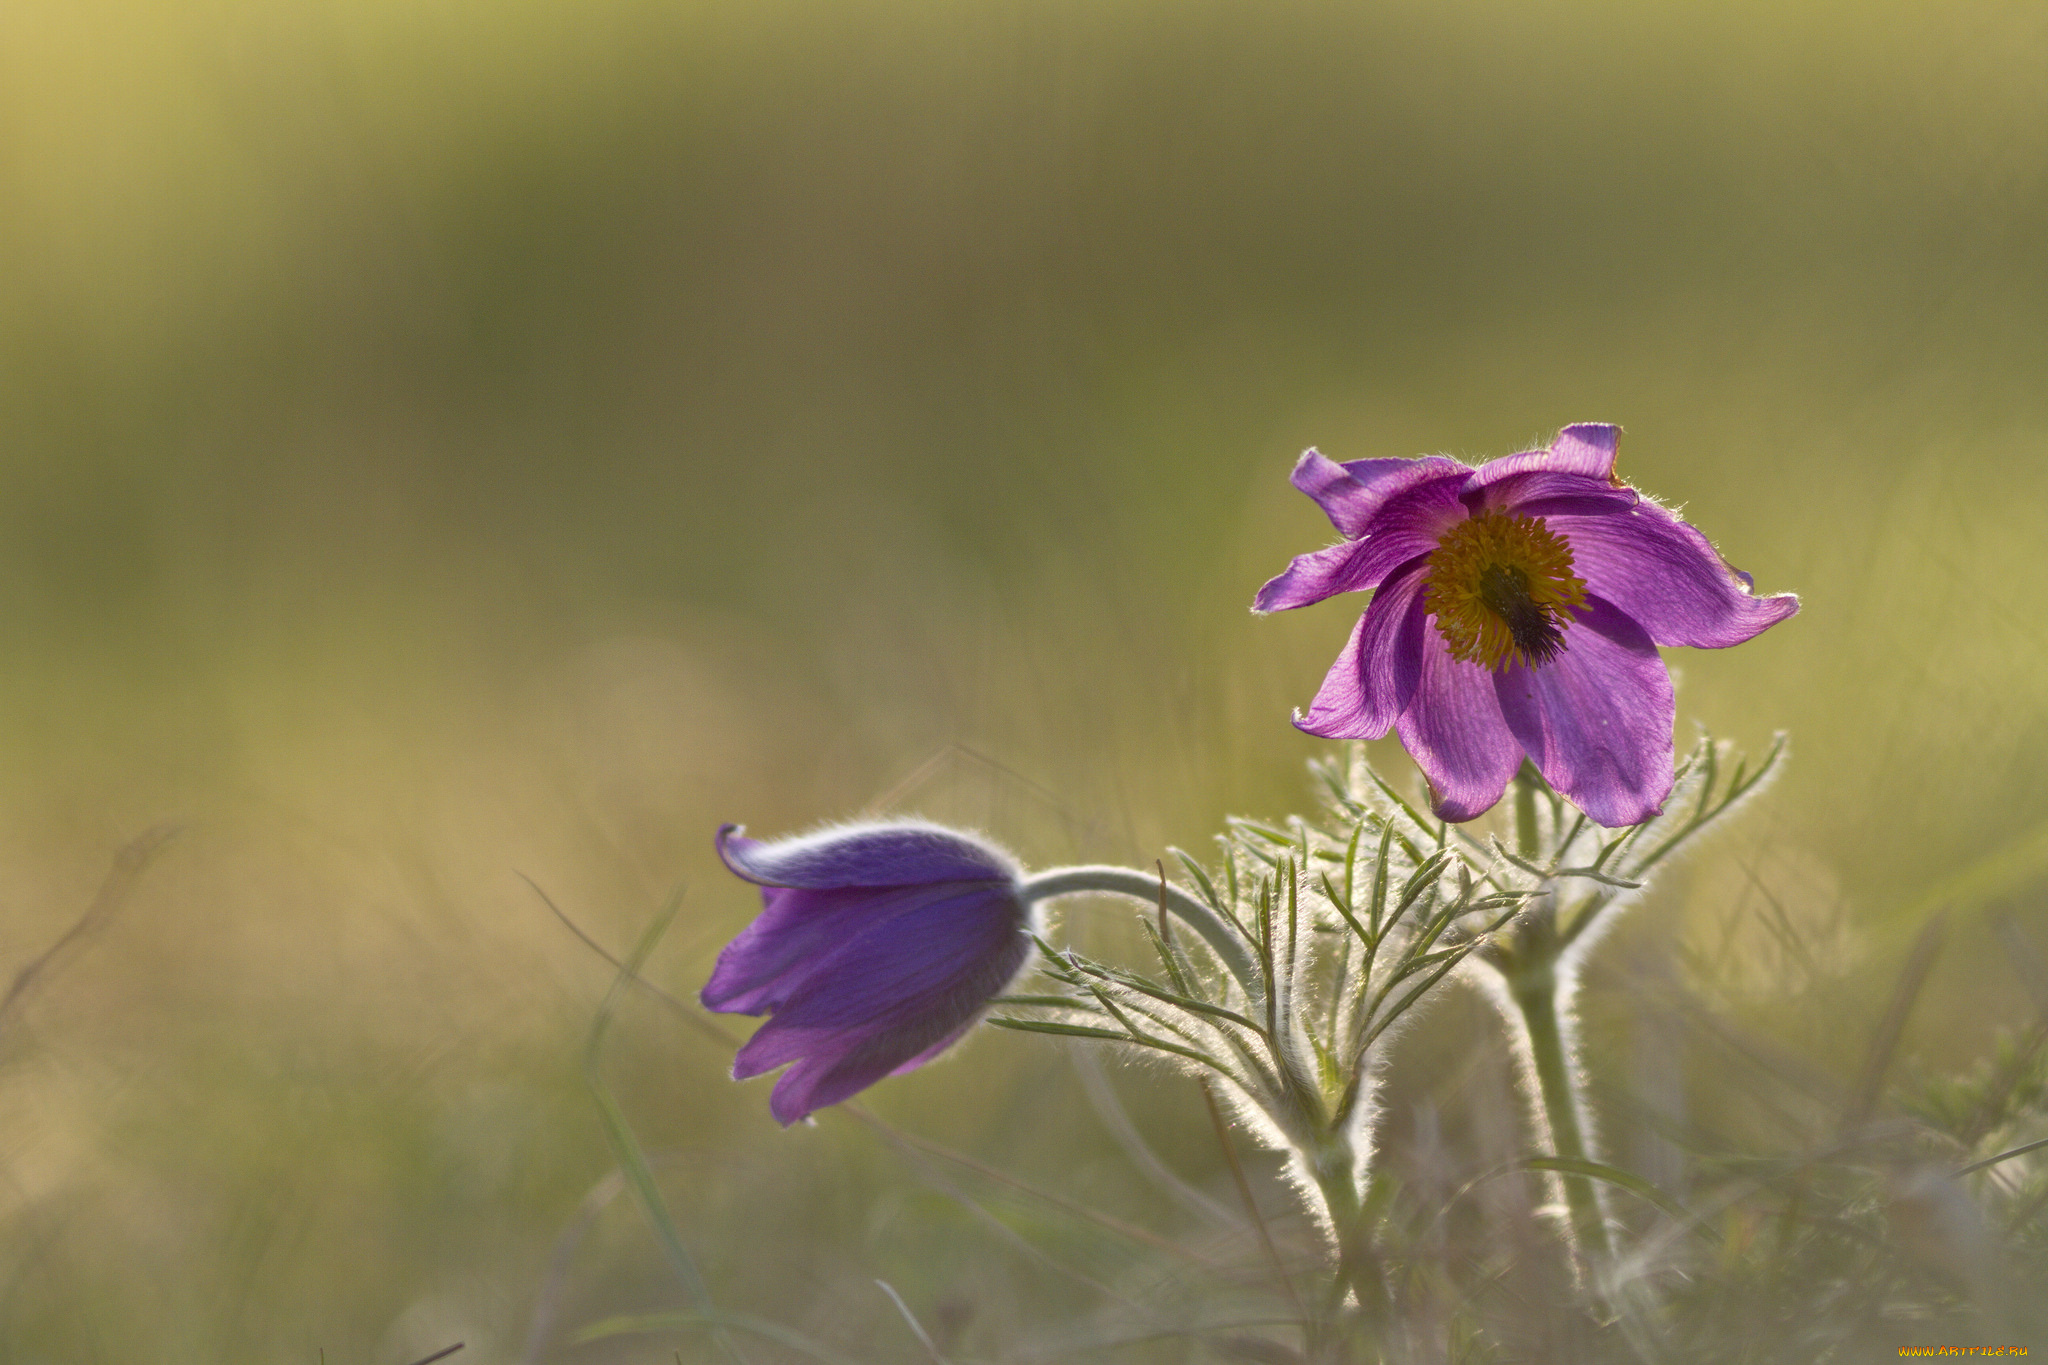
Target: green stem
{"x": 1525, "y": 811}
{"x": 1358, "y": 1268}
{"x": 1152, "y": 890}
{"x": 1536, "y": 997}
{"x": 1538, "y": 992}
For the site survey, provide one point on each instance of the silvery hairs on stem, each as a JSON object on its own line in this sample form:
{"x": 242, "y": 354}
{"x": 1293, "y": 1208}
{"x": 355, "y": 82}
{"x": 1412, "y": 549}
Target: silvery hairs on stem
{"x": 1578, "y": 877}
{"x": 1336, "y": 929}
{"x": 879, "y": 944}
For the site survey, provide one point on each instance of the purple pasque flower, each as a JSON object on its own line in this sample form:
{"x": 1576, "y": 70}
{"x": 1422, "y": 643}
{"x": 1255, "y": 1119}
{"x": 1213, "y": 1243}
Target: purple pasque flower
{"x": 876, "y": 948}
{"x": 1516, "y": 610}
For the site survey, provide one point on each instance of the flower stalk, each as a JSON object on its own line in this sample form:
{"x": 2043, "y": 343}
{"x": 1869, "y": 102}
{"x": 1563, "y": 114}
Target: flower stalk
{"x": 1542, "y": 994}
{"x": 1543, "y": 1002}
{"x": 881, "y": 944}
{"x": 1228, "y": 944}
{"x": 1578, "y": 877}
{"x": 1511, "y": 640}
{"x": 1310, "y": 944}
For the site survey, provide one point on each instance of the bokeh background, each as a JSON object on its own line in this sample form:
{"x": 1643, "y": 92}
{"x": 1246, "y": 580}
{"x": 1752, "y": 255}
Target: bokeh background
{"x": 443, "y": 441}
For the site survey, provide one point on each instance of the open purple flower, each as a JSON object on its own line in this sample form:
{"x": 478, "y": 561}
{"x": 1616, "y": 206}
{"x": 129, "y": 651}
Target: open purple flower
{"x": 1516, "y": 609}
{"x": 876, "y": 948}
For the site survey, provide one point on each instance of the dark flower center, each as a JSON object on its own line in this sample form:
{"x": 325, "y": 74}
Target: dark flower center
{"x": 1502, "y": 590}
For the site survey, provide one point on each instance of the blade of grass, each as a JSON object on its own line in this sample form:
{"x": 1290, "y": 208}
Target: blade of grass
{"x": 1614, "y": 1175}
{"x": 1065, "y": 1350}
{"x": 916, "y": 1328}
{"x": 689, "y": 1014}
{"x": 625, "y": 1149}
{"x": 540, "y": 1329}
{"x": 1885, "y": 1041}
{"x": 1102, "y": 1095}
{"x": 860, "y": 1113}
{"x": 2020, "y": 1150}
{"x": 129, "y": 864}
{"x": 718, "y": 1322}
{"x": 1251, "y": 1206}
{"x": 925, "y": 1146}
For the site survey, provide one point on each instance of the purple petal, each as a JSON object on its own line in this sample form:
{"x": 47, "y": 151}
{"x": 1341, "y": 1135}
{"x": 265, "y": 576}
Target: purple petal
{"x": 892, "y": 853}
{"x": 910, "y": 965}
{"x": 1377, "y": 671}
{"x": 893, "y": 997}
{"x": 1597, "y": 719}
{"x": 1406, "y": 526}
{"x": 1584, "y": 448}
{"x": 1452, "y": 728}
{"x": 1313, "y": 577}
{"x": 1668, "y": 577}
{"x": 795, "y": 931}
{"x": 1352, "y": 494}
{"x": 828, "y": 1078}
{"x": 931, "y": 1054}
{"x": 1547, "y": 493}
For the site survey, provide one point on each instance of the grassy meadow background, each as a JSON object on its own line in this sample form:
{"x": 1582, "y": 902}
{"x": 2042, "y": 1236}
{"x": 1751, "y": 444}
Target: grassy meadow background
{"x": 443, "y": 441}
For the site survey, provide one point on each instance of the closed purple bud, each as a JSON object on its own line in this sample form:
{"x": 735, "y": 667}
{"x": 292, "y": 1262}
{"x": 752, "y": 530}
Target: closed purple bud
{"x": 877, "y": 947}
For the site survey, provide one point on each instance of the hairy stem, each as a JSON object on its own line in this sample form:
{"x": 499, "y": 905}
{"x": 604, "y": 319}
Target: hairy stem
{"x": 1536, "y": 996}
{"x": 1538, "y": 993}
{"x": 1153, "y": 890}
{"x": 1358, "y": 1270}
{"x": 1526, "y": 838}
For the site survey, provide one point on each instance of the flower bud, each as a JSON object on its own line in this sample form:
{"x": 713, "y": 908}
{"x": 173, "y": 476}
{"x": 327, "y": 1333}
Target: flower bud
{"x": 876, "y": 949}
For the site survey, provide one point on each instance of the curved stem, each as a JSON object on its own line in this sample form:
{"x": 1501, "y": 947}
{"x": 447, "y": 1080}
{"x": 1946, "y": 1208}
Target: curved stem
{"x": 1152, "y": 890}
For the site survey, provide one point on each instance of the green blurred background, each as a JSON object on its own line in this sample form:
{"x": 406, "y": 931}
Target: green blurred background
{"x": 446, "y": 440}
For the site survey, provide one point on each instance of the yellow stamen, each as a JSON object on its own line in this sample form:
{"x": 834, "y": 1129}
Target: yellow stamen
{"x": 1502, "y": 591}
